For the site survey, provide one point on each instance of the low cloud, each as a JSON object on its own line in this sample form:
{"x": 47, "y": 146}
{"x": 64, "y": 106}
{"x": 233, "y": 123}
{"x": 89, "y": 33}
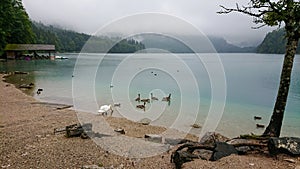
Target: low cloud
{"x": 90, "y": 15}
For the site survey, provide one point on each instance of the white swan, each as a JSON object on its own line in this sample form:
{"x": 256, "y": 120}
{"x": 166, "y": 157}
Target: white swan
{"x": 105, "y": 109}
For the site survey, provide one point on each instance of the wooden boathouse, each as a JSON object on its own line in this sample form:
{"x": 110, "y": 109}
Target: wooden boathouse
{"x": 29, "y": 51}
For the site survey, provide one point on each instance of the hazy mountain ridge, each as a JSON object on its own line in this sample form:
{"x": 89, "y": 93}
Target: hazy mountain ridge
{"x": 71, "y": 41}
{"x": 222, "y": 46}
{"x": 175, "y": 46}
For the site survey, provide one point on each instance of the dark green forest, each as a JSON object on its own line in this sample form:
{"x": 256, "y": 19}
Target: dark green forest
{"x": 64, "y": 40}
{"x": 16, "y": 27}
{"x": 70, "y": 41}
{"x": 127, "y": 46}
{"x": 274, "y": 42}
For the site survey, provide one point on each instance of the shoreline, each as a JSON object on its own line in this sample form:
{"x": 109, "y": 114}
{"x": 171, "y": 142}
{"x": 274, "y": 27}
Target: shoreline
{"x": 21, "y": 79}
{"x": 237, "y": 116}
{"x": 34, "y": 125}
{"x": 27, "y": 137}
{"x": 27, "y": 140}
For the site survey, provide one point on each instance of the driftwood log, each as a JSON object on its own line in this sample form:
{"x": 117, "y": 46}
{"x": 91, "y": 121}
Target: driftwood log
{"x": 184, "y": 153}
{"x": 75, "y": 130}
{"x": 286, "y": 145}
{"x": 242, "y": 145}
{"x": 220, "y": 148}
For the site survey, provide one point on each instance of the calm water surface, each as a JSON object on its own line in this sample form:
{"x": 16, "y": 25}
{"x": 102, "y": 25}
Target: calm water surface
{"x": 252, "y": 83}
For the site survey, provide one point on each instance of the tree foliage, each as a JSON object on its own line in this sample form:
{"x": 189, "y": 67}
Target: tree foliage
{"x": 15, "y": 26}
{"x": 272, "y": 13}
{"x": 127, "y": 46}
{"x": 70, "y": 41}
{"x": 64, "y": 40}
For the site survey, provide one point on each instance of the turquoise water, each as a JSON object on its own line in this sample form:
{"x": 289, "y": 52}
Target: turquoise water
{"x": 251, "y": 87}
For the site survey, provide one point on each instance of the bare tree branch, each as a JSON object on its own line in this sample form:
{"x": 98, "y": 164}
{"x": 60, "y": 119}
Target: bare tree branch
{"x": 245, "y": 10}
{"x": 272, "y": 13}
{"x": 258, "y": 27}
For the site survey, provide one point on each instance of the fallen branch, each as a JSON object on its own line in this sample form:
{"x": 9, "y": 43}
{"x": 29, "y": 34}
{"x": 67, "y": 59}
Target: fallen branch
{"x": 249, "y": 144}
{"x": 64, "y": 107}
{"x": 181, "y": 156}
{"x": 184, "y": 153}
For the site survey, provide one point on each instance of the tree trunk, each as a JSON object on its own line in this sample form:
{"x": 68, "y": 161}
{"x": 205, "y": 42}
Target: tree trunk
{"x": 274, "y": 127}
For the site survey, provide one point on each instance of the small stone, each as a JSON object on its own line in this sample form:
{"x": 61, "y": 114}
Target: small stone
{"x": 172, "y": 141}
{"x": 196, "y": 126}
{"x": 251, "y": 164}
{"x": 121, "y": 166}
{"x": 145, "y": 121}
{"x": 119, "y": 130}
{"x": 24, "y": 154}
{"x": 5, "y": 166}
{"x": 289, "y": 160}
{"x": 153, "y": 138}
{"x": 210, "y": 138}
{"x": 91, "y": 167}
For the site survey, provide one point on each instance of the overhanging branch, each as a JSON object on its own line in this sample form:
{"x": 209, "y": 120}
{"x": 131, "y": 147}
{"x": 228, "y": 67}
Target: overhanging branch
{"x": 245, "y": 10}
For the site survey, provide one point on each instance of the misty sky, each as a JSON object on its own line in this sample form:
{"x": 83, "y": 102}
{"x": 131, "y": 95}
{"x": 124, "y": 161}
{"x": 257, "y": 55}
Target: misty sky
{"x": 89, "y": 15}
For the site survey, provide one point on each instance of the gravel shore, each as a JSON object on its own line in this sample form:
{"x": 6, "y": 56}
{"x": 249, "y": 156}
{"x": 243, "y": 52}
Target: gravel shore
{"x": 28, "y": 141}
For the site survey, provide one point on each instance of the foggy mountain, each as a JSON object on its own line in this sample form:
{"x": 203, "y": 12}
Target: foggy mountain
{"x": 176, "y": 46}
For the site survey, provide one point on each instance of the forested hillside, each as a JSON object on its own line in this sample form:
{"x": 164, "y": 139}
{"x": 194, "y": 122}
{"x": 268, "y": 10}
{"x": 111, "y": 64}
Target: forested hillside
{"x": 70, "y": 41}
{"x": 127, "y": 46}
{"x": 274, "y": 42}
{"x": 15, "y": 26}
{"x": 64, "y": 40}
